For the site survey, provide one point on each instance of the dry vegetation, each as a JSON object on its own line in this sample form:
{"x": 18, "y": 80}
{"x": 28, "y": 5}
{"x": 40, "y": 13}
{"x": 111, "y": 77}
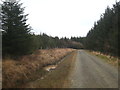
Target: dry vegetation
{"x": 57, "y": 78}
{"x": 110, "y": 59}
{"x": 17, "y": 72}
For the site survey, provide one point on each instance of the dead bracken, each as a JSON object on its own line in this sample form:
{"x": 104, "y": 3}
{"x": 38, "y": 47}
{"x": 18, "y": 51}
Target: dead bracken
{"x": 16, "y": 72}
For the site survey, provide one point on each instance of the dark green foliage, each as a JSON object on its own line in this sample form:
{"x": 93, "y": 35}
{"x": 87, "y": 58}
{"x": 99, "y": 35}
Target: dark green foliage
{"x": 17, "y": 39}
{"x": 103, "y": 36}
{"x": 47, "y": 42}
{"x": 78, "y": 39}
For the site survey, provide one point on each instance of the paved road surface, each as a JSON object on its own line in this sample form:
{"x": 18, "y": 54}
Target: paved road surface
{"x": 91, "y": 72}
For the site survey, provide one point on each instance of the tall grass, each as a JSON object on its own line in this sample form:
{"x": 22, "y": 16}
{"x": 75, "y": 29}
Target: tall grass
{"x": 18, "y": 72}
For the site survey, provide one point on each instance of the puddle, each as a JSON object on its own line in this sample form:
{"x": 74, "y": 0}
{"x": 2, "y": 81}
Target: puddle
{"x": 50, "y": 67}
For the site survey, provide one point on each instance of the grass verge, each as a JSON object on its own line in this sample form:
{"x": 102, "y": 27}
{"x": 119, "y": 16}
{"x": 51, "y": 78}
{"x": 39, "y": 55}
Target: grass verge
{"x": 109, "y": 59}
{"x": 57, "y": 78}
{"x": 28, "y": 68}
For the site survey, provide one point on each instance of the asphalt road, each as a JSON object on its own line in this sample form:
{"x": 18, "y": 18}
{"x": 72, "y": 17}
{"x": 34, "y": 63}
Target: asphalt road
{"x": 92, "y": 72}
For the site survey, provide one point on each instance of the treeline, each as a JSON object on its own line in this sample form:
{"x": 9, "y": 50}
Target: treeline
{"x": 17, "y": 40}
{"x": 79, "y": 39}
{"x": 103, "y": 36}
{"x": 44, "y": 41}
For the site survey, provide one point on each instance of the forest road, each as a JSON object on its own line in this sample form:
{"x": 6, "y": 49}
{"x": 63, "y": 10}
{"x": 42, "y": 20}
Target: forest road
{"x": 92, "y": 72}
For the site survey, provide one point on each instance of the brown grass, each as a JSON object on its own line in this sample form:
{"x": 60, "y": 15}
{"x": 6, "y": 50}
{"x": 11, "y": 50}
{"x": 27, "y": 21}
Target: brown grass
{"x": 58, "y": 78}
{"x": 17, "y": 72}
{"x": 110, "y": 59}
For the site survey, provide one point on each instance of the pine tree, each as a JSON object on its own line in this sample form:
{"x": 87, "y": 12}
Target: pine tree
{"x": 16, "y": 36}
{"x": 104, "y": 35}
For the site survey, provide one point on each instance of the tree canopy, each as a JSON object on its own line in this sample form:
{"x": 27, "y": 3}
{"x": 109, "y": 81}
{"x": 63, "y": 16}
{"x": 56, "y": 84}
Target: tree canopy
{"x": 18, "y": 40}
{"x": 16, "y": 37}
{"x": 103, "y": 36}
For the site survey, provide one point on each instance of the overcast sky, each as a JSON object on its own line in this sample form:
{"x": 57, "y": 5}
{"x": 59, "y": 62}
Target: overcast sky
{"x": 64, "y": 17}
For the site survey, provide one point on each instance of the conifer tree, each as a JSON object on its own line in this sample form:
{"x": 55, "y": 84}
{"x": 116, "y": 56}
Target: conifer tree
{"x": 16, "y": 36}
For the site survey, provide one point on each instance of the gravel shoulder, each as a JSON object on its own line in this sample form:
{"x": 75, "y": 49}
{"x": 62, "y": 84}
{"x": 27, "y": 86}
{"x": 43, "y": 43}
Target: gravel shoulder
{"x": 92, "y": 72}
